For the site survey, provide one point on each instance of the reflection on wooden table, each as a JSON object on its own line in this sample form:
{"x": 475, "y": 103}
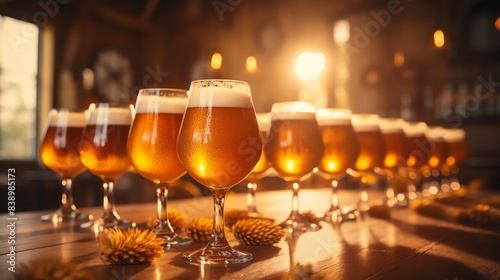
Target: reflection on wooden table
{"x": 408, "y": 245}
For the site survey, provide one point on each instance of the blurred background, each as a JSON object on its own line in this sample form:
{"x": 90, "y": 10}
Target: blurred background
{"x": 421, "y": 60}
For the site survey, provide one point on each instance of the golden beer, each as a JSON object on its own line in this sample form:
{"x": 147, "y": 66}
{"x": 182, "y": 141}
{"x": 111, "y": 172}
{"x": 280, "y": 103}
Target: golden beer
{"x": 420, "y": 147}
{"x": 397, "y": 149}
{"x": 341, "y": 147}
{"x": 371, "y": 143}
{"x": 104, "y": 142}
{"x": 219, "y": 146}
{"x": 457, "y": 147}
{"x": 439, "y": 148}
{"x": 59, "y": 149}
{"x": 295, "y": 145}
{"x": 153, "y": 138}
{"x": 264, "y": 121}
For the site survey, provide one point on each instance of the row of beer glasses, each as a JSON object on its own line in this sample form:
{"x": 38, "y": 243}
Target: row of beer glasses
{"x": 361, "y": 144}
{"x": 213, "y": 135}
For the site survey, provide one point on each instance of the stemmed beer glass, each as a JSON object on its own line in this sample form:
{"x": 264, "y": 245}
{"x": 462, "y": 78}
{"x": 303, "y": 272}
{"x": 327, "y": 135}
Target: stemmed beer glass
{"x": 152, "y": 149}
{"x": 420, "y": 151}
{"x": 341, "y": 152}
{"x": 294, "y": 148}
{"x": 371, "y": 154}
{"x": 59, "y": 152}
{"x": 261, "y": 169}
{"x": 396, "y": 156}
{"x": 104, "y": 152}
{"x": 219, "y": 144}
{"x": 458, "y": 154}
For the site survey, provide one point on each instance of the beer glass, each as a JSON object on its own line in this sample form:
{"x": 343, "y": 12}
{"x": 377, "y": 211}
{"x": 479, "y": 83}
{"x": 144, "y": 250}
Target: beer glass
{"x": 152, "y": 149}
{"x": 420, "y": 151}
{"x": 431, "y": 171}
{"x": 219, "y": 145}
{"x": 294, "y": 148}
{"x": 262, "y": 168}
{"x": 397, "y": 153}
{"x": 341, "y": 152}
{"x": 59, "y": 152}
{"x": 458, "y": 154}
{"x": 371, "y": 152}
{"x": 104, "y": 152}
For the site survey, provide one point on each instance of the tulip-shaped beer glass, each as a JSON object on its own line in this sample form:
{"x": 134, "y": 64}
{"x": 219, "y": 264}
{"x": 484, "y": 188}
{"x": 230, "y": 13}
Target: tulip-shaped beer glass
{"x": 341, "y": 152}
{"x": 104, "y": 152}
{"x": 219, "y": 144}
{"x": 59, "y": 152}
{"x": 294, "y": 148}
{"x": 152, "y": 149}
{"x": 371, "y": 154}
{"x": 395, "y": 158}
{"x": 262, "y": 168}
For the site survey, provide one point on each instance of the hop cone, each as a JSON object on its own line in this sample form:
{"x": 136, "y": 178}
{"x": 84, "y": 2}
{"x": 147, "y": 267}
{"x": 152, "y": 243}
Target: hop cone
{"x": 200, "y": 229}
{"x": 257, "y": 232}
{"x": 176, "y": 218}
{"x": 481, "y": 214}
{"x": 129, "y": 247}
{"x": 231, "y": 217}
{"x": 47, "y": 268}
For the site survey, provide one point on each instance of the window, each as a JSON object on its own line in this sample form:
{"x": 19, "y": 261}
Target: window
{"x": 19, "y": 48}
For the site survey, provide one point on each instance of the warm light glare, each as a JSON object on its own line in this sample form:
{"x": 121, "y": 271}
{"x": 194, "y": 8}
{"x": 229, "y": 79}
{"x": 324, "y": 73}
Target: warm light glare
{"x": 399, "y": 59}
{"x": 216, "y": 62}
{"x": 290, "y": 165}
{"x": 497, "y": 23}
{"x": 251, "y": 64}
{"x": 341, "y": 33}
{"x": 309, "y": 65}
{"x": 331, "y": 166}
{"x": 439, "y": 38}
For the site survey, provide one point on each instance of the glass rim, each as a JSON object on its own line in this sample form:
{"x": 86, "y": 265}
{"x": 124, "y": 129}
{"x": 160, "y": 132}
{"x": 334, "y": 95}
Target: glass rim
{"x": 292, "y": 107}
{"x": 333, "y": 113}
{"x": 217, "y": 81}
{"x": 169, "y": 89}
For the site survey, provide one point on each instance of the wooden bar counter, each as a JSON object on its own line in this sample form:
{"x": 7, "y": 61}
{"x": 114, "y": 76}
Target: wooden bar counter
{"x": 407, "y": 246}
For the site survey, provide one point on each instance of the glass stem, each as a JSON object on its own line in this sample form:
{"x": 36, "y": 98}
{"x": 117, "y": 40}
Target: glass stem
{"x": 109, "y": 201}
{"x": 218, "y": 238}
{"x": 161, "y": 207}
{"x": 363, "y": 201}
{"x": 295, "y": 200}
{"x": 335, "y": 196}
{"x": 251, "y": 202}
{"x": 389, "y": 188}
{"x": 67, "y": 196}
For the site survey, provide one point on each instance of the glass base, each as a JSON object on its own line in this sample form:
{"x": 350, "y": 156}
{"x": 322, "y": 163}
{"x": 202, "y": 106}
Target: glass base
{"x": 175, "y": 241}
{"x": 64, "y": 215}
{"x": 299, "y": 222}
{"x": 215, "y": 256}
{"x": 163, "y": 230}
{"x": 337, "y": 216}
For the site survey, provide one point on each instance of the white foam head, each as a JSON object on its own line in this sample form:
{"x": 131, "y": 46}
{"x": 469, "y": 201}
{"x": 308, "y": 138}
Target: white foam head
{"x": 293, "y": 110}
{"x": 264, "y": 121}
{"x": 365, "y": 122}
{"x": 64, "y": 118}
{"x": 414, "y": 129}
{"x": 219, "y": 93}
{"x": 333, "y": 116}
{"x": 454, "y": 135}
{"x": 161, "y": 104}
{"x": 391, "y": 125}
{"x": 435, "y": 133}
{"x": 110, "y": 115}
